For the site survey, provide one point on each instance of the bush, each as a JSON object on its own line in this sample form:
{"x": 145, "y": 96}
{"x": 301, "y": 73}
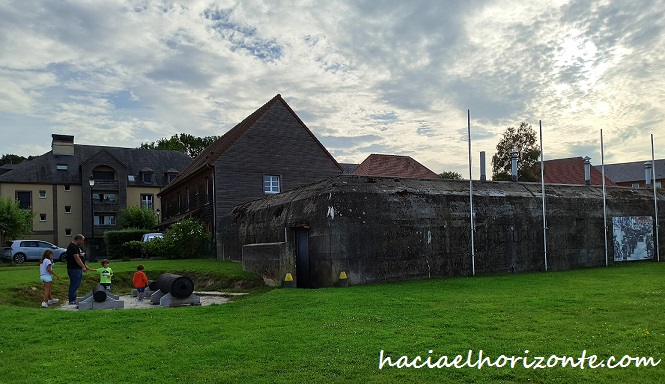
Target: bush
{"x": 14, "y": 221}
{"x": 117, "y": 243}
{"x": 184, "y": 240}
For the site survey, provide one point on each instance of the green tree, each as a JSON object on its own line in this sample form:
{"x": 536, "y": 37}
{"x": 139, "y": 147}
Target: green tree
{"x": 14, "y": 159}
{"x": 136, "y": 217}
{"x": 14, "y": 221}
{"x": 523, "y": 139}
{"x": 184, "y": 142}
{"x": 450, "y": 175}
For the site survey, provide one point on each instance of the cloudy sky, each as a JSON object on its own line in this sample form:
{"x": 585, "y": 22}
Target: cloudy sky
{"x": 392, "y": 77}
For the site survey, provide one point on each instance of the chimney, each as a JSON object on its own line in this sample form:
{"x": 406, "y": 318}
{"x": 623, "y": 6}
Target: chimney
{"x": 647, "y": 174}
{"x": 587, "y": 170}
{"x": 62, "y": 145}
{"x": 514, "y": 154}
{"x": 483, "y": 173}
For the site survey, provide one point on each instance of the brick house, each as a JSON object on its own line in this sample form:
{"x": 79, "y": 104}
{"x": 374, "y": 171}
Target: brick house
{"x": 571, "y": 171}
{"x": 633, "y": 174}
{"x": 393, "y": 166}
{"x": 269, "y": 152}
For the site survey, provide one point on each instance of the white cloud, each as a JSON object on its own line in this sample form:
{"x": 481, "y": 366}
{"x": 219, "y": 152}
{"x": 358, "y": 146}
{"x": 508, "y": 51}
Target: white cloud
{"x": 365, "y": 76}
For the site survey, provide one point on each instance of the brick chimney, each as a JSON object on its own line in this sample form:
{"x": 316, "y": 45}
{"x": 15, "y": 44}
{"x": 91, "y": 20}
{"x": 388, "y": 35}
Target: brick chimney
{"x": 62, "y": 145}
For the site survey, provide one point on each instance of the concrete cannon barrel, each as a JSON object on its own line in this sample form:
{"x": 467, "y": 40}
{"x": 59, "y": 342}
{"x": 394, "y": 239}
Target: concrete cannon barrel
{"x": 180, "y": 287}
{"x": 99, "y": 293}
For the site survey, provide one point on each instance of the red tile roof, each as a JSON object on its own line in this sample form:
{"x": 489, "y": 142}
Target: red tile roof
{"x": 394, "y": 166}
{"x": 571, "y": 171}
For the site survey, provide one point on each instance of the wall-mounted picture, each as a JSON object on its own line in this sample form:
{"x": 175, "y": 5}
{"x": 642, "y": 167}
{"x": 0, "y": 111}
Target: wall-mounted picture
{"x": 633, "y": 238}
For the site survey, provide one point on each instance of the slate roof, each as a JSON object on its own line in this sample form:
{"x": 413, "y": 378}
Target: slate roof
{"x": 213, "y": 152}
{"x": 632, "y": 172}
{"x": 348, "y": 167}
{"x": 42, "y": 169}
{"x": 394, "y": 166}
{"x": 571, "y": 171}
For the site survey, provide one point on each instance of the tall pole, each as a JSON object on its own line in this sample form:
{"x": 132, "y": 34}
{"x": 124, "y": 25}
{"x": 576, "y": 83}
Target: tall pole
{"x": 602, "y": 167}
{"x": 542, "y": 183}
{"x": 473, "y": 226}
{"x": 655, "y": 197}
{"x": 91, "y": 181}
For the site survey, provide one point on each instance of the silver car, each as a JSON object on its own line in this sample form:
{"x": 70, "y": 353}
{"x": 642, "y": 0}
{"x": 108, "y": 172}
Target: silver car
{"x": 30, "y": 250}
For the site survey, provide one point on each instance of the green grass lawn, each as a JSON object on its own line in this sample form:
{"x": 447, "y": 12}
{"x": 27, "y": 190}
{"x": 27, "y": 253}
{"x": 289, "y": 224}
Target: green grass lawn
{"x": 335, "y": 335}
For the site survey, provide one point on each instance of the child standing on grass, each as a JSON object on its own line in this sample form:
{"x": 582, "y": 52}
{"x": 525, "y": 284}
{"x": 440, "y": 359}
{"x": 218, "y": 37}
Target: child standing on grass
{"x": 105, "y": 274}
{"x": 140, "y": 281}
{"x": 46, "y": 275}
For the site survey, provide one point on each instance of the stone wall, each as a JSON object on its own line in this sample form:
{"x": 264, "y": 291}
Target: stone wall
{"x": 386, "y": 229}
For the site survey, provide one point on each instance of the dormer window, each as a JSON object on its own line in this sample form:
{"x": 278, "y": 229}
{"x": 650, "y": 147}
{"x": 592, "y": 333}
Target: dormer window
{"x": 146, "y": 175}
{"x": 171, "y": 174}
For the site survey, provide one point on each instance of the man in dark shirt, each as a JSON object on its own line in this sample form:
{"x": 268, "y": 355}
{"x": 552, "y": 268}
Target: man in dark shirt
{"x": 75, "y": 266}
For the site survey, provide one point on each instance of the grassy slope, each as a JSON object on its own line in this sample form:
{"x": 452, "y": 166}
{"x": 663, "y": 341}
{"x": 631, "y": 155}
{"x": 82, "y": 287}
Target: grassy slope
{"x": 335, "y": 335}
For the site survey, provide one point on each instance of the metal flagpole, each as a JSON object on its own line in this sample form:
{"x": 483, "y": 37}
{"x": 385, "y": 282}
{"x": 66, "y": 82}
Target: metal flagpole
{"x": 473, "y": 248}
{"x": 602, "y": 159}
{"x": 542, "y": 183}
{"x": 655, "y": 196}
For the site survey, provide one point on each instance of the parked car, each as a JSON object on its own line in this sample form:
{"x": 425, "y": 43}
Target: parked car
{"x": 147, "y": 237}
{"x": 150, "y": 236}
{"x": 29, "y": 250}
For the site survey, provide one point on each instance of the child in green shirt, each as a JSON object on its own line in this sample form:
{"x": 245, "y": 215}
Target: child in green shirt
{"x": 105, "y": 274}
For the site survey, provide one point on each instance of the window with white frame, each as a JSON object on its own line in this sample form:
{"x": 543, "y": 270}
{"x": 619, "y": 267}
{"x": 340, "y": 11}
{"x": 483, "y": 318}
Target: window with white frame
{"x": 42, "y": 217}
{"x": 147, "y": 201}
{"x": 104, "y": 220}
{"x": 270, "y": 184}
{"x": 68, "y": 188}
{"x": 42, "y": 194}
{"x": 636, "y": 185}
{"x": 68, "y": 232}
{"x": 68, "y": 209}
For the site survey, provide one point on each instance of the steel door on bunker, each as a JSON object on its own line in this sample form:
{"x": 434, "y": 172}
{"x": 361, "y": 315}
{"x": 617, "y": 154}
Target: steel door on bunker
{"x": 302, "y": 258}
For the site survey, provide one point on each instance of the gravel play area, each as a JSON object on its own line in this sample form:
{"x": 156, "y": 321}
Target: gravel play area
{"x": 207, "y": 298}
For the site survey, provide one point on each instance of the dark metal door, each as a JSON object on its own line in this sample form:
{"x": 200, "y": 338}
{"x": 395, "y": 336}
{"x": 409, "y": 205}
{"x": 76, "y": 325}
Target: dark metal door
{"x": 302, "y": 258}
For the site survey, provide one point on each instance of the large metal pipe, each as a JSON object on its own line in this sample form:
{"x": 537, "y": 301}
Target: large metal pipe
{"x": 152, "y": 285}
{"x": 99, "y": 293}
{"x": 180, "y": 287}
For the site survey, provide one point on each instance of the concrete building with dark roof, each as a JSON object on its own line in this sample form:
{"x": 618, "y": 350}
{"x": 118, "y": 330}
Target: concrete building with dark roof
{"x": 633, "y": 174}
{"x": 56, "y": 186}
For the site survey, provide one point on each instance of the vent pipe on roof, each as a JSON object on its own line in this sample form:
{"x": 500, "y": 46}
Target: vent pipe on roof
{"x": 647, "y": 174}
{"x": 587, "y": 170}
{"x": 483, "y": 173}
{"x": 514, "y": 154}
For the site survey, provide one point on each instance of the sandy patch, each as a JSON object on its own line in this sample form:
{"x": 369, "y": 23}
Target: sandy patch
{"x": 207, "y": 298}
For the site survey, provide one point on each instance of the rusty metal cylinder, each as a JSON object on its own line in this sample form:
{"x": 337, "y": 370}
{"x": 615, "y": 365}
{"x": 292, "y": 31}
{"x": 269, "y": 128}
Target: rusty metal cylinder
{"x": 99, "y": 293}
{"x": 180, "y": 287}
